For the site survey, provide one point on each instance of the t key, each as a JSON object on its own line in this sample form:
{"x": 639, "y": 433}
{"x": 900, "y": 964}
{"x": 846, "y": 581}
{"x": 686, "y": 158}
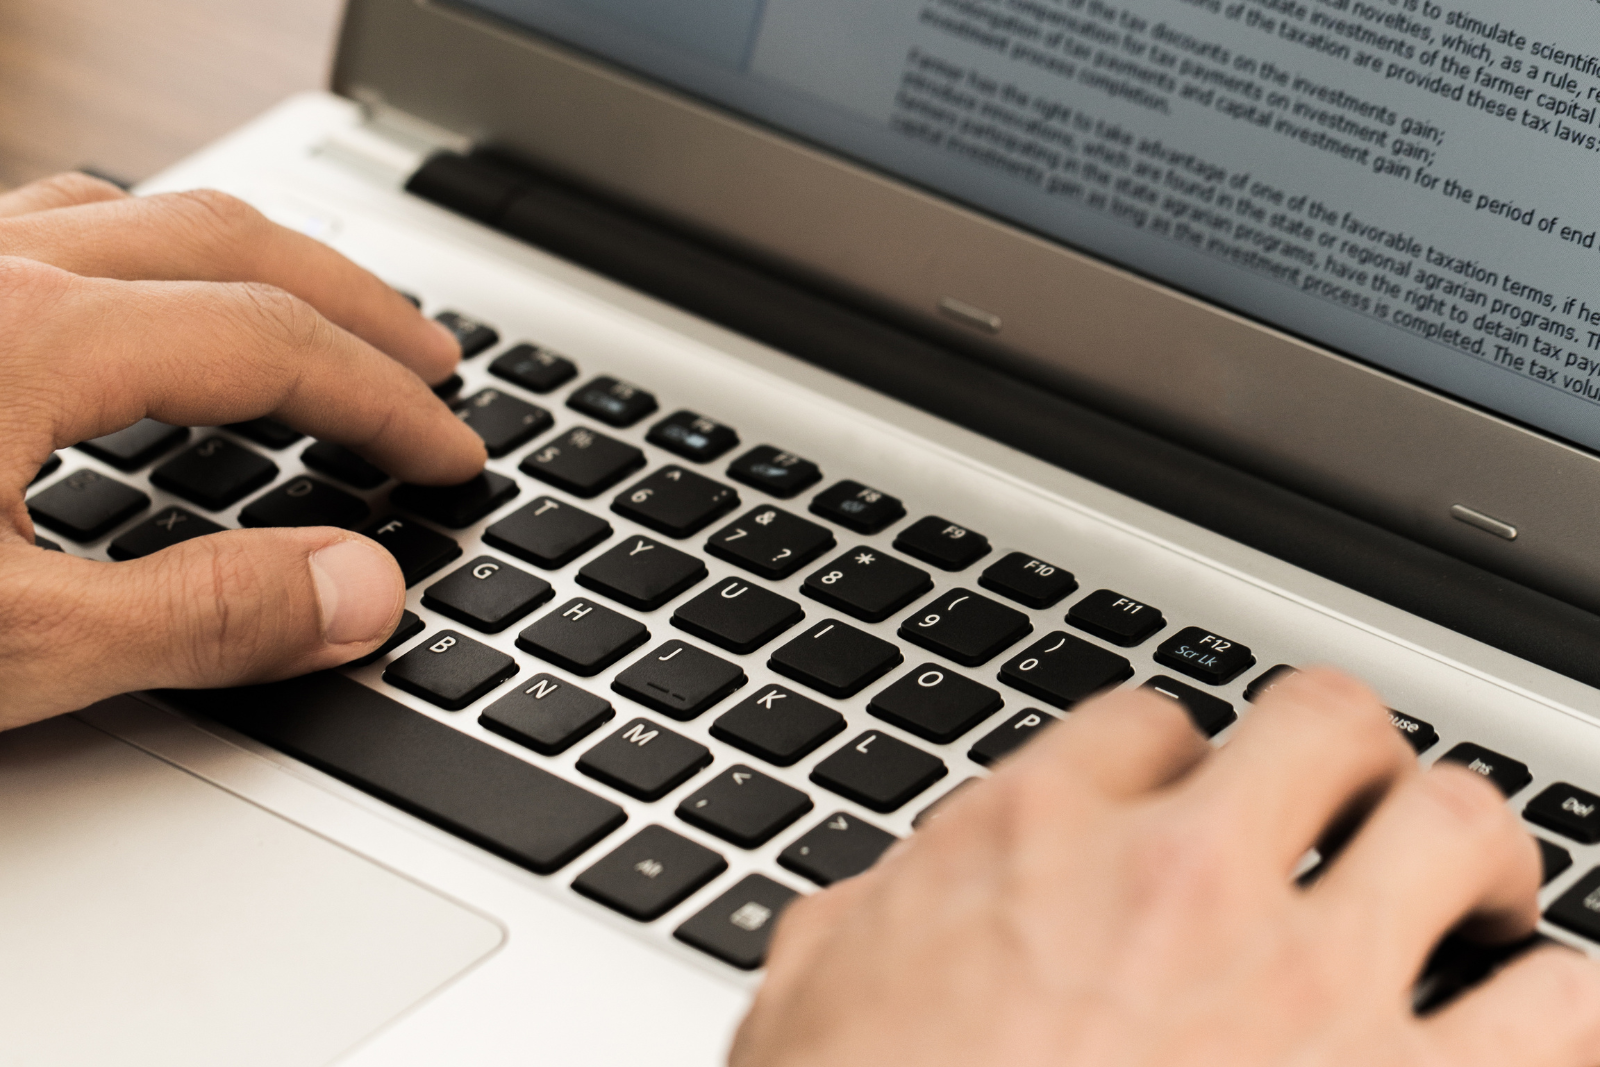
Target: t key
{"x": 676, "y": 501}
{"x": 967, "y": 628}
{"x": 770, "y": 542}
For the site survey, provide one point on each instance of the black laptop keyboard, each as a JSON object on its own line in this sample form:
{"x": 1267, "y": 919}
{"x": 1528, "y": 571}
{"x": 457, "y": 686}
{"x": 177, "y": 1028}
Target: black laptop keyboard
{"x": 967, "y": 665}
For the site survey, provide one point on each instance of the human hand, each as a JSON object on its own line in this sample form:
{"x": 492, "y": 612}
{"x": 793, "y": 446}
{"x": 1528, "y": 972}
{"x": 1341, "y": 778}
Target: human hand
{"x": 1121, "y": 895}
{"x": 195, "y": 310}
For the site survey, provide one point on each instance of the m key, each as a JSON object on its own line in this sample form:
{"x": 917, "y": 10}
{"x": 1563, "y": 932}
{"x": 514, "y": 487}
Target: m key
{"x": 965, "y": 627}
{"x": 645, "y": 760}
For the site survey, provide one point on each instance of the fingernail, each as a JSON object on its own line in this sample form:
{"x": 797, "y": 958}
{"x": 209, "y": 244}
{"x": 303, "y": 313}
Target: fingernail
{"x": 356, "y": 588}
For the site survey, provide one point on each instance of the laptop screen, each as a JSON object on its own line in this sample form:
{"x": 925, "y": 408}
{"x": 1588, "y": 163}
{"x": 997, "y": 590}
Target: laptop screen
{"x": 1405, "y": 181}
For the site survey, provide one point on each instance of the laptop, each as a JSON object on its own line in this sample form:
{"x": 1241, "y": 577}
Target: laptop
{"x": 867, "y": 382}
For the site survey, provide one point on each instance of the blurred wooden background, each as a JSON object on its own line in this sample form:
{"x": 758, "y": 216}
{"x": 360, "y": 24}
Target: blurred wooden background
{"x": 129, "y": 86}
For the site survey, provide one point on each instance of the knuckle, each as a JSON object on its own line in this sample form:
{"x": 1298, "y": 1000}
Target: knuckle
{"x": 284, "y": 318}
{"x": 24, "y": 282}
{"x": 1466, "y": 799}
{"x": 74, "y": 186}
{"x": 213, "y": 214}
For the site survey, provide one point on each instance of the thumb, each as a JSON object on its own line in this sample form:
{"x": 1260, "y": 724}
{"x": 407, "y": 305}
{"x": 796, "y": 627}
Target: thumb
{"x": 228, "y": 609}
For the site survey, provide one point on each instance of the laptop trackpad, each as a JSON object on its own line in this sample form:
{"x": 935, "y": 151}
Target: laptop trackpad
{"x": 147, "y": 917}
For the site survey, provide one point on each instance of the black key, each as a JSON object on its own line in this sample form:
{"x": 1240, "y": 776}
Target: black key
{"x": 86, "y": 505}
{"x": 1209, "y": 714}
{"x": 613, "y": 402}
{"x": 472, "y": 789}
{"x": 487, "y": 594}
{"x": 410, "y": 626}
{"x": 504, "y": 422}
{"x": 942, "y": 543}
{"x": 306, "y": 502}
{"x": 936, "y": 704}
{"x": 411, "y": 298}
{"x": 457, "y": 506}
{"x": 473, "y": 336}
{"x": 547, "y": 533}
{"x": 1418, "y": 734}
{"x": 269, "y": 433}
{"x": 645, "y": 760}
{"x": 679, "y": 680}
{"x": 533, "y": 368}
{"x": 878, "y": 771}
{"x": 772, "y": 543}
{"x": 840, "y": 848}
{"x": 641, "y": 573}
{"x": 1031, "y": 582}
{"x": 419, "y": 550}
{"x": 51, "y": 465}
{"x": 867, "y": 583}
{"x": 675, "y": 501}
{"x": 448, "y": 388}
{"x": 137, "y": 446}
{"x": 1569, "y": 811}
{"x": 340, "y": 463}
{"x": 167, "y": 527}
{"x": 1578, "y": 909}
{"x": 965, "y": 627}
{"x": 583, "y": 637}
{"x": 1265, "y": 684}
{"x": 547, "y": 715}
{"x": 692, "y": 437}
{"x": 836, "y": 659}
{"x": 450, "y": 670}
{"x": 216, "y": 473}
{"x": 650, "y": 874}
{"x": 744, "y": 806}
{"x": 1009, "y": 736}
{"x": 777, "y": 724}
{"x": 1061, "y": 670}
{"x": 858, "y": 507}
{"x": 783, "y": 474}
{"x": 1506, "y": 773}
{"x": 1458, "y": 965}
{"x": 1113, "y": 617}
{"x": 582, "y": 462}
{"x": 1199, "y": 653}
{"x": 46, "y": 544}
{"x": 737, "y": 616}
{"x": 737, "y": 927}
{"x": 1553, "y": 861}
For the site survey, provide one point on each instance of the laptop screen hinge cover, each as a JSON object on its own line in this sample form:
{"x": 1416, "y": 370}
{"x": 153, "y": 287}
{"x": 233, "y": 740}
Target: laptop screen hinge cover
{"x": 1473, "y": 517}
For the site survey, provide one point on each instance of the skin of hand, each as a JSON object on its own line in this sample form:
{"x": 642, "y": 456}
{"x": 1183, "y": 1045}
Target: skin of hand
{"x": 196, "y": 310}
{"x": 1120, "y": 895}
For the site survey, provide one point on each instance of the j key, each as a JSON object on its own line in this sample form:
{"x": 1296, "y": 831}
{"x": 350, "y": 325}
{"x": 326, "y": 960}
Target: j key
{"x": 769, "y": 542}
{"x": 164, "y": 529}
{"x": 737, "y": 927}
{"x": 1009, "y": 736}
{"x": 457, "y": 506}
{"x": 419, "y": 550}
{"x": 473, "y": 336}
{"x": 744, "y": 806}
{"x": 692, "y": 437}
{"x": 778, "y": 724}
{"x": 1113, "y": 617}
{"x": 547, "y": 715}
{"x": 547, "y": 533}
{"x": 942, "y": 543}
{"x": 1553, "y": 861}
{"x": 450, "y": 670}
{"x": 1061, "y": 670}
{"x": 679, "y": 680}
{"x": 676, "y": 502}
{"x": 86, "y": 505}
{"x": 840, "y": 848}
{"x": 1268, "y": 681}
{"x": 858, "y": 507}
{"x": 613, "y": 402}
{"x": 1418, "y": 734}
{"x": 216, "y": 473}
{"x": 487, "y": 594}
{"x": 641, "y": 573}
{"x": 652, "y": 873}
{"x": 269, "y": 433}
{"x": 340, "y": 463}
{"x": 878, "y": 771}
{"x": 1209, "y": 714}
{"x": 582, "y": 637}
{"x": 1578, "y": 909}
{"x": 533, "y": 368}
{"x": 306, "y": 502}
{"x": 935, "y": 704}
{"x": 1031, "y": 582}
{"x": 504, "y": 422}
{"x": 835, "y": 659}
{"x": 51, "y": 465}
{"x": 645, "y": 760}
{"x": 737, "y": 616}
{"x": 1506, "y": 773}
{"x": 410, "y": 626}
{"x": 867, "y": 583}
{"x": 582, "y": 462}
{"x": 1569, "y": 811}
{"x": 137, "y": 446}
{"x": 782, "y": 474}
{"x": 1201, "y": 654}
{"x": 965, "y": 627}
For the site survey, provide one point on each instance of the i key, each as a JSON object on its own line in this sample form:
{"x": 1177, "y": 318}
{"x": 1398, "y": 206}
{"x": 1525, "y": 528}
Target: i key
{"x": 487, "y": 594}
{"x": 676, "y": 501}
{"x": 216, "y": 473}
{"x": 965, "y": 627}
{"x": 1061, "y": 669}
{"x": 867, "y": 583}
{"x": 879, "y": 771}
{"x": 770, "y": 542}
{"x": 835, "y": 659}
{"x": 583, "y": 637}
{"x": 450, "y": 670}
